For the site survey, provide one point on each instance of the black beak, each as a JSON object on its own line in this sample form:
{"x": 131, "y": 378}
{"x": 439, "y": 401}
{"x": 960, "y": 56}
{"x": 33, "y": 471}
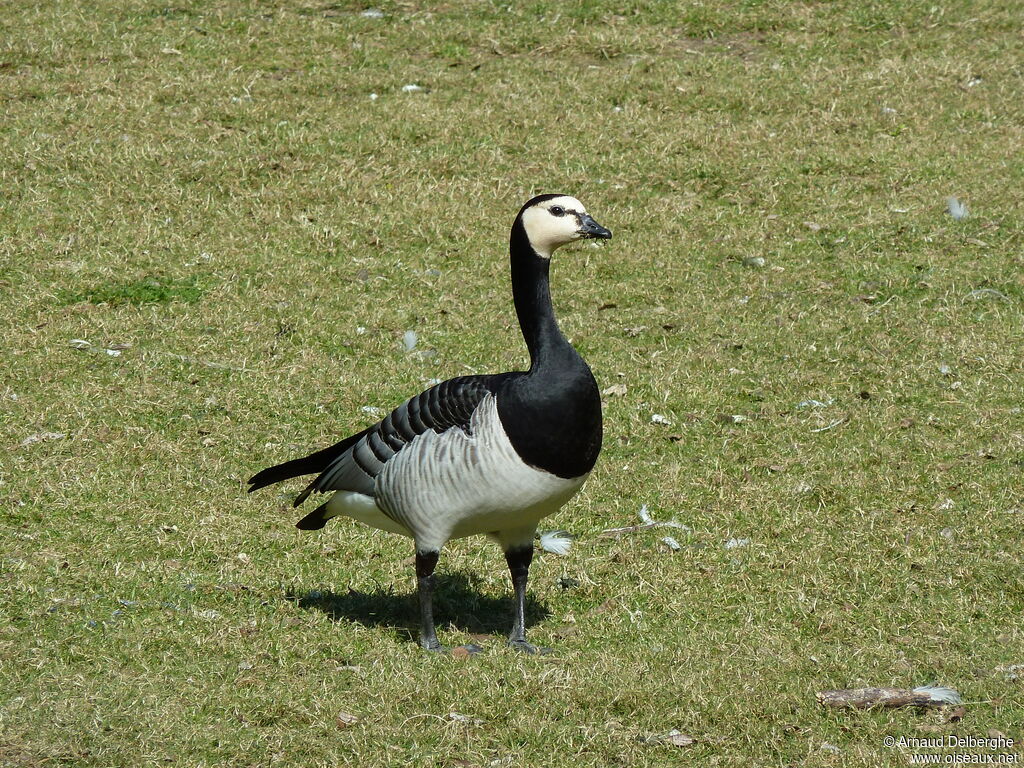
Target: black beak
{"x": 590, "y": 228}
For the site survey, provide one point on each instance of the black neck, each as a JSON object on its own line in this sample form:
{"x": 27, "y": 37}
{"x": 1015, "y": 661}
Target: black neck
{"x": 531, "y": 293}
{"x": 552, "y": 415}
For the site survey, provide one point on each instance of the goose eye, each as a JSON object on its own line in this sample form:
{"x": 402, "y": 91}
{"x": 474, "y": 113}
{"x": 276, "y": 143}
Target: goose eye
{"x": 557, "y": 210}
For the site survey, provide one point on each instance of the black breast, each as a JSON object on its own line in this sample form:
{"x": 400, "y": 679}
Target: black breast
{"x": 553, "y": 418}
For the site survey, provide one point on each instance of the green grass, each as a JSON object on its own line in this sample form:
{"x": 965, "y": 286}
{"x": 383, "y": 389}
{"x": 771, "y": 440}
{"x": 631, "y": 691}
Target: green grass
{"x": 147, "y": 290}
{"x": 213, "y": 187}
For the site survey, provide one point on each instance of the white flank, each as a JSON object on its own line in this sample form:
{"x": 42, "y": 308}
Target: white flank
{"x": 455, "y": 484}
{"x": 363, "y": 508}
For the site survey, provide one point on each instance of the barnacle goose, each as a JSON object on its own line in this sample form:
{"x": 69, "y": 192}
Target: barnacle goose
{"x": 476, "y": 454}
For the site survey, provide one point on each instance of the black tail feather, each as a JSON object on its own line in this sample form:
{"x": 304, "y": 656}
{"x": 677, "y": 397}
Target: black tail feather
{"x": 315, "y": 520}
{"x": 286, "y": 471}
{"x": 304, "y": 495}
{"x": 315, "y": 463}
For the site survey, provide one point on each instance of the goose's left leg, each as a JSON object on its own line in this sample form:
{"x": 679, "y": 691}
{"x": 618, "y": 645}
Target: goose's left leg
{"x": 519, "y": 558}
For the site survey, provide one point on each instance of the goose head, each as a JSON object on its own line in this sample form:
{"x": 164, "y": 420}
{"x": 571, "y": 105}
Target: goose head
{"x": 554, "y": 220}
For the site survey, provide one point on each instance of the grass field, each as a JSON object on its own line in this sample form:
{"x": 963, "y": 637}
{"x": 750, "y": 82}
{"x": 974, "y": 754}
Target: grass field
{"x": 239, "y": 210}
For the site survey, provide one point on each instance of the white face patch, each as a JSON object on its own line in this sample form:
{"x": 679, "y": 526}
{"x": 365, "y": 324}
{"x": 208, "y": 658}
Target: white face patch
{"x": 553, "y": 223}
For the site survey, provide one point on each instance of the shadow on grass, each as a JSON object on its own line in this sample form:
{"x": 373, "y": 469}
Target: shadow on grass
{"x": 456, "y": 604}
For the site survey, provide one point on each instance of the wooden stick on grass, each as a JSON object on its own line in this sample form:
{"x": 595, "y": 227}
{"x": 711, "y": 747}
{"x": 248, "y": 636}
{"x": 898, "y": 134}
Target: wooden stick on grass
{"x": 863, "y": 698}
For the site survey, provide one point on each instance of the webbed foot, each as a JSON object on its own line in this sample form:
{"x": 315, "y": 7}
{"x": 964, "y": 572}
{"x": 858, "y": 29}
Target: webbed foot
{"x": 525, "y": 647}
{"x": 471, "y": 649}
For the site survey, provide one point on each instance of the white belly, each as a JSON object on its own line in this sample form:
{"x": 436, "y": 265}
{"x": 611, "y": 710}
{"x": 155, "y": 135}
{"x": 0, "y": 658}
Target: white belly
{"x": 455, "y": 484}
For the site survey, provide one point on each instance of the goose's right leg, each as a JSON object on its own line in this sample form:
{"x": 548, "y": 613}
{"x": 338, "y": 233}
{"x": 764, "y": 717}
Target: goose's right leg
{"x": 425, "y": 580}
{"x": 426, "y": 561}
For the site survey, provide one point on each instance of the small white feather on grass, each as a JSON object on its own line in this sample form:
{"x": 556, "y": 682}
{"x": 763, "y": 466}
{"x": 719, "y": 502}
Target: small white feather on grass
{"x": 345, "y": 719}
{"x": 556, "y": 542}
{"x": 811, "y": 403}
{"x": 646, "y": 522}
{"x": 987, "y": 293}
{"x": 1011, "y": 672}
{"x": 645, "y": 516}
{"x": 957, "y": 209}
{"x": 674, "y": 738}
{"x": 42, "y": 437}
{"x": 458, "y": 717}
{"x": 939, "y": 694}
